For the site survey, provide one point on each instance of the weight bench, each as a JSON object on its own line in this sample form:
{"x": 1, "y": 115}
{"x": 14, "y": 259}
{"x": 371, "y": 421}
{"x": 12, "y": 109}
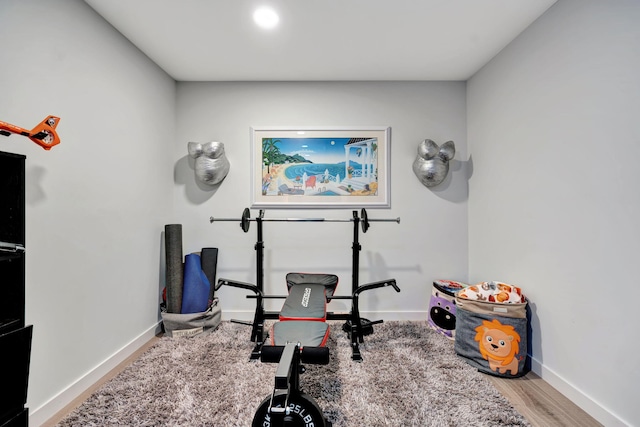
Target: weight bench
{"x": 299, "y": 335}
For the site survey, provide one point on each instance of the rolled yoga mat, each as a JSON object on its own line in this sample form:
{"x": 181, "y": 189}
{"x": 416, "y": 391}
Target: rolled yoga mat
{"x": 174, "y": 273}
{"x": 209, "y": 261}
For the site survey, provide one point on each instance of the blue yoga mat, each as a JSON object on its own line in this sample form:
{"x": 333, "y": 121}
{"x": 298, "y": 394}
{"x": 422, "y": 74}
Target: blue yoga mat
{"x": 195, "y": 294}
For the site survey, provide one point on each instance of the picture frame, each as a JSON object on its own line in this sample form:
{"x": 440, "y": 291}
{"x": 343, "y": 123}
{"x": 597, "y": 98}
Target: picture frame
{"x": 320, "y": 167}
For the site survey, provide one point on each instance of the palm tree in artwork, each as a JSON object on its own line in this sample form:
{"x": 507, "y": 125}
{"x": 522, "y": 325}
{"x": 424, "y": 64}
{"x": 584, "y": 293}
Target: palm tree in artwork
{"x": 269, "y": 151}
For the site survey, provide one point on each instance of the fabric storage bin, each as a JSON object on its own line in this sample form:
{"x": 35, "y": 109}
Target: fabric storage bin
{"x": 179, "y": 325}
{"x": 442, "y": 307}
{"x": 492, "y": 328}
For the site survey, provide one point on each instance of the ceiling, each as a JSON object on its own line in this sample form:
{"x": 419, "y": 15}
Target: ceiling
{"x": 321, "y": 40}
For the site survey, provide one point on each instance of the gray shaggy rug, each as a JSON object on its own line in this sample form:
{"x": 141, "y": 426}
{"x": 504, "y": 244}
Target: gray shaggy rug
{"x": 410, "y": 376}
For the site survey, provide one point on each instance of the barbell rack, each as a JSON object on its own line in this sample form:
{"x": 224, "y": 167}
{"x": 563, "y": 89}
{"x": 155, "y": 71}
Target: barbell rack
{"x": 355, "y": 325}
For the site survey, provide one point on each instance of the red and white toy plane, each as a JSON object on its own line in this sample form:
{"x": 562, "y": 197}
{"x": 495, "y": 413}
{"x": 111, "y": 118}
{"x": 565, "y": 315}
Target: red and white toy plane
{"x": 44, "y": 134}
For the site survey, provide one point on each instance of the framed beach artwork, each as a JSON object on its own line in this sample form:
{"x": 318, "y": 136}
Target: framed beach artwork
{"x": 316, "y": 167}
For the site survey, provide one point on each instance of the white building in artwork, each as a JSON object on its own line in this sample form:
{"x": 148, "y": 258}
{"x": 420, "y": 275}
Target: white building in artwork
{"x": 365, "y": 150}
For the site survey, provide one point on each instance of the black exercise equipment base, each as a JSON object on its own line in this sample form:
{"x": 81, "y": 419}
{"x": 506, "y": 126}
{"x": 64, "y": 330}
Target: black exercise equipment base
{"x": 288, "y": 405}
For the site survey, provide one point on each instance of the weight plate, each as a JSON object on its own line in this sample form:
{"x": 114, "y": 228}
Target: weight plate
{"x": 365, "y": 220}
{"x": 244, "y": 224}
{"x": 304, "y": 412}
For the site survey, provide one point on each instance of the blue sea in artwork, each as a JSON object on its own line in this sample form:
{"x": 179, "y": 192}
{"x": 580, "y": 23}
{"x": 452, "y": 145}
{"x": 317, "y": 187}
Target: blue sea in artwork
{"x": 317, "y": 169}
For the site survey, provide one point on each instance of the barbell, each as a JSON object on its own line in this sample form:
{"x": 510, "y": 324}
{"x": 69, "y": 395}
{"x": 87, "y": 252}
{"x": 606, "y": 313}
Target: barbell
{"x": 245, "y": 219}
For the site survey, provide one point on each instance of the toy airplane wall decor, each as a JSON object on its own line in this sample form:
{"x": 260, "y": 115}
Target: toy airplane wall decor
{"x": 44, "y": 134}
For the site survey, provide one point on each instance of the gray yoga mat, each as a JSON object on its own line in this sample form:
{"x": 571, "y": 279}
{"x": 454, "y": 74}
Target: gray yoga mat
{"x": 175, "y": 268}
{"x": 209, "y": 262}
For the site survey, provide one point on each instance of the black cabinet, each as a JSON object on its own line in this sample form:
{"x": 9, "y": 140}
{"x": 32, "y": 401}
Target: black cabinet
{"x": 15, "y": 337}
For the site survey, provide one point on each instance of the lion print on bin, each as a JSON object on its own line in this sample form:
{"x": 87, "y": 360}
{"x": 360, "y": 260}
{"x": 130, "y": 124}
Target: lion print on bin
{"x": 499, "y": 345}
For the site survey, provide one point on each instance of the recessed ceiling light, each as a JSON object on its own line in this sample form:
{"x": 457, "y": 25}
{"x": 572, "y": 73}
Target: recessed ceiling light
{"x": 266, "y": 17}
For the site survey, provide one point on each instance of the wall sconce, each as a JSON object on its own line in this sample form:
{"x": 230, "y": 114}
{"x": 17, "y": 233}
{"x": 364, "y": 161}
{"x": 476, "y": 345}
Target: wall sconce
{"x": 431, "y": 165}
{"x": 212, "y": 165}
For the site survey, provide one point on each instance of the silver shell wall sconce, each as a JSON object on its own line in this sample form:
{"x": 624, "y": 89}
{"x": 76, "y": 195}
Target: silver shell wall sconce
{"x": 431, "y": 165}
{"x": 211, "y": 165}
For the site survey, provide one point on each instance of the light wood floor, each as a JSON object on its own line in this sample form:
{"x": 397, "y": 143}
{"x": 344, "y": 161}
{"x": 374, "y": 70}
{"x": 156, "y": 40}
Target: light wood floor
{"x": 536, "y": 400}
{"x": 540, "y": 403}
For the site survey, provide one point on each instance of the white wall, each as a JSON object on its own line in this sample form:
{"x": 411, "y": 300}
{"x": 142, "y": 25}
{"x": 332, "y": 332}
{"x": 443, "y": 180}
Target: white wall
{"x": 429, "y": 243}
{"x": 554, "y": 136}
{"x": 96, "y": 204}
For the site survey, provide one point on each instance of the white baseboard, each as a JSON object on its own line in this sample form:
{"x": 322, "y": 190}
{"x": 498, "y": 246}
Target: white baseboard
{"x": 40, "y": 415}
{"x": 586, "y": 403}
